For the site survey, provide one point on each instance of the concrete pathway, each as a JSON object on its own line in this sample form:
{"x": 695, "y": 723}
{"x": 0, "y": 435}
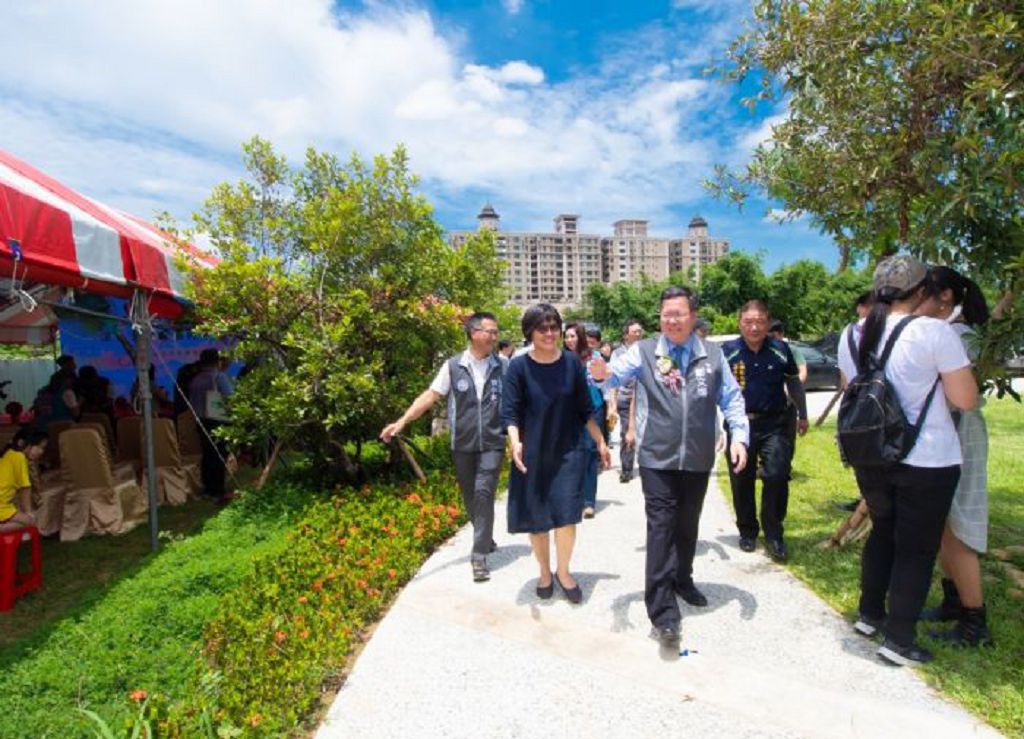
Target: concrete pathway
{"x": 766, "y": 658}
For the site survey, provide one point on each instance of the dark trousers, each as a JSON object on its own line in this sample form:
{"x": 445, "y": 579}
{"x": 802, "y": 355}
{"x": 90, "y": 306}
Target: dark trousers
{"x": 673, "y": 500}
{"x": 771, "y": 449}
{"x": 477, "y": 473}
{"x": 908, "y": 508}
{"x": 626, "y": 454}
{"x": 211, "y": 468}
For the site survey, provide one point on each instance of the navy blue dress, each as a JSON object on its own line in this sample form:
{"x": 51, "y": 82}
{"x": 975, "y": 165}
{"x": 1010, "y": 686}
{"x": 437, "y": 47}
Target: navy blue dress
{"x": 550, "y": 405}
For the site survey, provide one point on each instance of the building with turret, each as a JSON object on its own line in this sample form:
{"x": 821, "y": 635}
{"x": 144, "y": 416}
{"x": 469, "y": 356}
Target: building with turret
{"x": 557, "y": 267}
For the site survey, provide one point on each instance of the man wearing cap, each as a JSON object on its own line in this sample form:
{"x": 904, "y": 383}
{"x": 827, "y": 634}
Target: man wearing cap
{"x": 766, "y": 371}
{"x": 472, "y": 381}
{"x": 680, "y": 380}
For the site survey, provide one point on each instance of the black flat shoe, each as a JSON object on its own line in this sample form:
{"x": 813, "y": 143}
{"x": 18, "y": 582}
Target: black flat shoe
{"x": 546, "y": 591}
{"x": 668, "y": 636}
{"x": 747, "y": 544}
{"x": 573, "y": 594}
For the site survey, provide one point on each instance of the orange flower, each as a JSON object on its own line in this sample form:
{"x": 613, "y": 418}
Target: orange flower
{"x": 255, "y": 720}
{"x": 304, "y": 634}
{"x": 280, "y": 636}
{"x": 303, "y": 600}
{"x": 392, "y": 574}
{"x": 318, "y": 585}
{"x": 414, "y": 498}
{"x": 453, "y": 511}
{"x": 138, "y": 695}
{"x": 362, "y": 584}
{"x": 342, "y": 541}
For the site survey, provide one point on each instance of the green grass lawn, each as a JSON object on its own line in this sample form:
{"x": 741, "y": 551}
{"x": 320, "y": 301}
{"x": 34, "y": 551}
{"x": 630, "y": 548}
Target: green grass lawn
{"x": 76, "y": 574}
{"x": 989, "y": 682}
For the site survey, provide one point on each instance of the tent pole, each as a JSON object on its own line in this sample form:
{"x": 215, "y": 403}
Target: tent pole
{"x": 145, "y": 392}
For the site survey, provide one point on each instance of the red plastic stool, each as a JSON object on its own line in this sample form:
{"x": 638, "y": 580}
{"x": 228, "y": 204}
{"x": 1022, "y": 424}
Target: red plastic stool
{"x": 14, "y": 584}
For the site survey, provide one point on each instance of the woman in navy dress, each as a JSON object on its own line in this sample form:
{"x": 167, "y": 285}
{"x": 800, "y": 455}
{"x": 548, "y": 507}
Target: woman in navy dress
{"x": 545, "y": 406}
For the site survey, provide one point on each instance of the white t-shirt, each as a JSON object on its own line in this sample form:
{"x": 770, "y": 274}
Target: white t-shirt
{"x": 477, "y": 368}
{"x": 926, "y": 348}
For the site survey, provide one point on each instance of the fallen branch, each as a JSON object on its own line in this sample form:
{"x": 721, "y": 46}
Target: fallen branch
{"x": 854, "y": 528}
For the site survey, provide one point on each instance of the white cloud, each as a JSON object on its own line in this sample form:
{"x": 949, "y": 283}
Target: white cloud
{"x": 146, "y": 103}
{"x": 512, "y": 7}
{"x": 781, "y": 215}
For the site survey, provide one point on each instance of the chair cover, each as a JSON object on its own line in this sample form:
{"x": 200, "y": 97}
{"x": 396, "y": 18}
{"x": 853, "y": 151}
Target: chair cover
{"x": 104, "y": 421}
{"x": 176, "y": 481}
{"x": 48, "y": 496}
{"x": 95, "y": 501}
{"x": 123, "y": 471}
{"x": 54, "y": 429}
{"x": 129, "y": 441}
{"x": 189, "y": 442}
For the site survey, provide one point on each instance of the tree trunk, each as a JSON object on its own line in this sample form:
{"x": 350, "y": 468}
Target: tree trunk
{"x": 269, "y": 466}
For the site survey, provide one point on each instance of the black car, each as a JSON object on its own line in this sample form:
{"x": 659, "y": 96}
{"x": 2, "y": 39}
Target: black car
{"x": 822, "y": 369}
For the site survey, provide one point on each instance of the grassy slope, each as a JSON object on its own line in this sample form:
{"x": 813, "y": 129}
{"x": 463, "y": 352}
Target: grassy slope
{"x": 989, "y": 682}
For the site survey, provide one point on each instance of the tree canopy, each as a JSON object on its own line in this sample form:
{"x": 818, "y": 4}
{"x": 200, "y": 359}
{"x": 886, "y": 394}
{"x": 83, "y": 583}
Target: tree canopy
{"x": 903, "y": 129}
{"x": 339, "y": 293}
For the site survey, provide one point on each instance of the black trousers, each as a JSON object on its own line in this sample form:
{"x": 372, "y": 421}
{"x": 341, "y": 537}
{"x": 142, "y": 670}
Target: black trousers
{"x": 771, "y": 449}
{"x": 211, "y": 468}
{"x": 908, "y": 508}
{"x": 477, "y": 473}
{"x": 673, "y": 500}
{"x": 626, "y": 454}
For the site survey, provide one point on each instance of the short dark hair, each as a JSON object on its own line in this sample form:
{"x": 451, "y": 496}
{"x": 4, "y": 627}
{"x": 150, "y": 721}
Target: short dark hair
{"x": 677, "y": 291}
{"x": 539, "y": 314}
{"x": 594, "y": 333}
{"x": 27, "y": 437}
{"x": 473, "y": 322}
{"x": 208, "y": 357}
{"x": 630, "y": 322}
{"x": 503, "y": 344}
{"x": 865, "y": 298}
{"x": 755, "y": 304}
{"x": 778, "y": 326}
{"x": 64, "y": 360}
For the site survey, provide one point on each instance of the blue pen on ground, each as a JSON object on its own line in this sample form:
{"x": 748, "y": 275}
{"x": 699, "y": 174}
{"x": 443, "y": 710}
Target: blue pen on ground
{"x": 687, "y": 652}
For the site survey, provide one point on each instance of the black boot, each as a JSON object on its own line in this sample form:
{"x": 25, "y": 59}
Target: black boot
{"x": 950, "y": 609}
{"x": 970, "y": 631}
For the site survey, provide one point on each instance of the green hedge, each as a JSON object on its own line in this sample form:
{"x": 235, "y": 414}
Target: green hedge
{"x": 239, "y": 624}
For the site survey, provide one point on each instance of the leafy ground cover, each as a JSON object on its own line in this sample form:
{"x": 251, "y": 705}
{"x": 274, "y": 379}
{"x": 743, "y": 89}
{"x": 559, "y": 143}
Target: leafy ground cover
{"x": 989, "y": 682}
{"x": 234, "y": 629}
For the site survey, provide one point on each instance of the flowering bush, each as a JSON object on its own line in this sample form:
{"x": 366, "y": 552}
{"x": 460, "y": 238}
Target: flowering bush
{"x": 293, "y": 620}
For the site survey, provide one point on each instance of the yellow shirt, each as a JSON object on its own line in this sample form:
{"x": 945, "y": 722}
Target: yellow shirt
{"x": 13, "y": 477}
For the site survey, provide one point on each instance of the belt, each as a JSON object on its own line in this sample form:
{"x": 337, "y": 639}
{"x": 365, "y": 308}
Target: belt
{"x": 766, "y": 414}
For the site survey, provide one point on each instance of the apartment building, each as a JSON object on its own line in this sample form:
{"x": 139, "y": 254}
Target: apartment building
{"x": 559, "y": 266}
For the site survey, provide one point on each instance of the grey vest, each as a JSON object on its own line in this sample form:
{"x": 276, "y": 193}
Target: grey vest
{"x": 475, "y": 424}
{"x": 676, "y": 430}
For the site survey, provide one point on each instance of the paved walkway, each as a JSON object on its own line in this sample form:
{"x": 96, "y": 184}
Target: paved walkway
{"x": 767, "y": 658}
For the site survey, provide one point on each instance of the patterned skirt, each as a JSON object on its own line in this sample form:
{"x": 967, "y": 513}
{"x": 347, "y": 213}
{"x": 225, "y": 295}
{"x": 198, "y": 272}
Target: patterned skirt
{"x": 968, "y": 517}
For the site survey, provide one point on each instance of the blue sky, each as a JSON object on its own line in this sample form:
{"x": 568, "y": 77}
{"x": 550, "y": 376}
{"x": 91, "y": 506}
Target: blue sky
{"x": 541, "y": 107}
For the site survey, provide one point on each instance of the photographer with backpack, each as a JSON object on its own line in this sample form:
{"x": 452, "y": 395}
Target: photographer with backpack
{"x": 903, "y": 448}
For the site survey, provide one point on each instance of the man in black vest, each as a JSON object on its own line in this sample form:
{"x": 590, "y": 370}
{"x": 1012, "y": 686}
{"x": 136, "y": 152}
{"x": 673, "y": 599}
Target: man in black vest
{"x": 472, "y": 381}
{"x": 680, "y": 381}
{"x": 766, "y": 369}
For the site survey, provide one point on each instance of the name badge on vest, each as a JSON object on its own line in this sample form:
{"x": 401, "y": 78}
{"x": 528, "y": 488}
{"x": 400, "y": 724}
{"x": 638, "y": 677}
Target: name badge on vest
{"x": 462, "y": 385}
{"x": 700, "y": 376}
{"x": 495, "y": 389}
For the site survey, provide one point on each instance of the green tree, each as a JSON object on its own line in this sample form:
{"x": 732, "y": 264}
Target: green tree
{"x": 731, "y": 281}
{"x": 812, "y": 301}
{"x": 903, "y": 129}
{"x": 339, "y": 291}
{"x": 611, "y": 306}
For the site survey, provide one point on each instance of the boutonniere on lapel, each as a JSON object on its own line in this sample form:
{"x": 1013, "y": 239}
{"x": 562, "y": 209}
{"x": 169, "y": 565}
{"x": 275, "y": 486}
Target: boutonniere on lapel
{"x": 669, "y": 374}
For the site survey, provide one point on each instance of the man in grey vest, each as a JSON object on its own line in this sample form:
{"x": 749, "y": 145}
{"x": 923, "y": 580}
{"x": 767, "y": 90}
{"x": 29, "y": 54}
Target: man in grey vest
{"x": 680, "y": 380}
{"x": 472, "y": 381}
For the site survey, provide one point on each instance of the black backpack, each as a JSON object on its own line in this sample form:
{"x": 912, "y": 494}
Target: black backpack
{"x": 873, "y": 430}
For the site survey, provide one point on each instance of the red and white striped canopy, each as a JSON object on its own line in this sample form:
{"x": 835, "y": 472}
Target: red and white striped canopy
{"x": 53, "y": 235}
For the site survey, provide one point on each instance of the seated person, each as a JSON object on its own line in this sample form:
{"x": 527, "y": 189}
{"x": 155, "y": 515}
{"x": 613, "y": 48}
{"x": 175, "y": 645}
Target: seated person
{"x": 15, "y": 486}
{"x": 14, "y": 414}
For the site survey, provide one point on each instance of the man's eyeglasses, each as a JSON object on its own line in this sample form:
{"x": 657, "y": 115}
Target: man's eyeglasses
{"x": 549, "y": 328}
{"x": 674, "y": 317}
{"x": 491, "y": 331}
